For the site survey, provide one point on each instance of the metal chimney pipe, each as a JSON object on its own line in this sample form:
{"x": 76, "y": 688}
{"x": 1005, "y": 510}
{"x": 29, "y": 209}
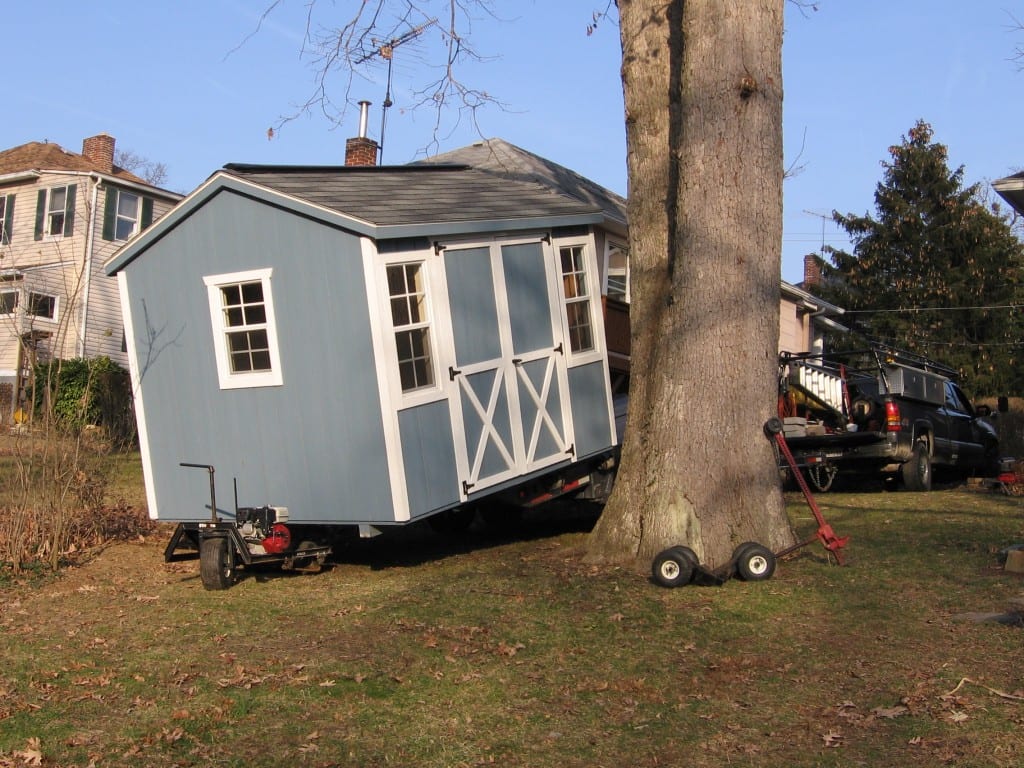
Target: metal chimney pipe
{"x": 364, "y": 116}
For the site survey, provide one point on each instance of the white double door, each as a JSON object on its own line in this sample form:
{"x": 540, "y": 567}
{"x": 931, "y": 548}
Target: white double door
{"x": 508, "y": 386}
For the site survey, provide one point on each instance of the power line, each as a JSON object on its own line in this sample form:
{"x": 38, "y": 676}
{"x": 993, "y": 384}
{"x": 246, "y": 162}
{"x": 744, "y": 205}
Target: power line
{"x": 915, "y": 310}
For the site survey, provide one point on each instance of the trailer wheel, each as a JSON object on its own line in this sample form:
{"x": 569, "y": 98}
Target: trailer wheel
{"x": 672, "y": 568}
{"x": 689, "y": 554}
{"x": 308, "y": 563}
{"x": 755, "y": 563}
{"x": 216, "y": 563}
{"x": 917, "y": 470}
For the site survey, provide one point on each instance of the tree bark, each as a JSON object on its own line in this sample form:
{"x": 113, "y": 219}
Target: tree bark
{"x": 703, "y": 93}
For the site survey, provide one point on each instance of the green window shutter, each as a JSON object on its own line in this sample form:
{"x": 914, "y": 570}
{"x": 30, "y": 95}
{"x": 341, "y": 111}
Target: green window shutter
{"x": 40, "y": 213}
{"x": 109, "y": 207}
{"x": 8, "y": 219}
{"x": 69, "y": 211}
{"x": 147, "y": 213}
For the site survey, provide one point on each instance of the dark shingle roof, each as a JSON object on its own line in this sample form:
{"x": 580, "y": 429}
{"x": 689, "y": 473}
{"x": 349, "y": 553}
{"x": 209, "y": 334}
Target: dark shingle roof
{"x": 44, "y": 156}
{"x": 414, "y": 194}
{"x": 498, "y": 157}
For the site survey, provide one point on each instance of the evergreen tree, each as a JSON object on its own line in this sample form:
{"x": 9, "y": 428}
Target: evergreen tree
{"x": 934, "y": 271}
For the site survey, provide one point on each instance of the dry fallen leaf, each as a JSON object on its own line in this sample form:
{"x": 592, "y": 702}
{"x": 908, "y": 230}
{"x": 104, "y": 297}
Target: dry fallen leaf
{"x": 957, "y": 716}
{"x": 890, "y": 712}
{"x": 832, "y": 739}
{"x": 32, "y": 754}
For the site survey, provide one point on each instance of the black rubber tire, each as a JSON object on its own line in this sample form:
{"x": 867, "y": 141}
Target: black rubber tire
{"x": 311, "y": 564}
{"x": 672, "y": 568}
{"x": 688, "y": 553}
{"x": 756, "y": 563}
{"x": 216, "y": 563}
{"x": 917, "y": 470}
{"x": 738, "y": 551}
{"x": 773, "y": 426}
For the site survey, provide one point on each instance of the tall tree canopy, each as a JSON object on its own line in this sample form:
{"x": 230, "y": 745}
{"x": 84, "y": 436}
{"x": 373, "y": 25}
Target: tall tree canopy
{"x": 934, "y": 270}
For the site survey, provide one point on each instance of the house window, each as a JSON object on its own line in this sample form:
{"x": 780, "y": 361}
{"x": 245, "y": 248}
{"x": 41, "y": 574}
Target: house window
{"x": 55, "y": 212}
{"x": 8, "y": 302}
{"x": 42, "y": 305}
{"x": 244, "y": 329}
{"x": 618, "y": 272}
{"x": 576, "y": 288}
{"x": 6, "y": 218}
{"x": 126, "y": 219}
{"x": 412, "y": 325}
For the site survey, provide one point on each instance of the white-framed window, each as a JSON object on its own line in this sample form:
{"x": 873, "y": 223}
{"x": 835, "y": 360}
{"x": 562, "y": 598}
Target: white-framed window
{"x": 244, "y": 329}
{"x": 410, "y": 320}
{"x": 618, "y": 272}
{"x": 55, "y": 217}
{"x": 42, "y": 305}
{"x": 576, "y": 297}
{"x": 6, "y": 218}
{"x": 9, "y": 302}
{"x": 127, "y": 214}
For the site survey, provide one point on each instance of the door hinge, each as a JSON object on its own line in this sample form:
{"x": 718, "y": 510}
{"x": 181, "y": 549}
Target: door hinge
{"x": 559, "y": 349}
{"x": 466, "y": 485}
{"x": 571, "y": 450}
{"x": 452, "y": 373}
{"x": 517, "y": 361}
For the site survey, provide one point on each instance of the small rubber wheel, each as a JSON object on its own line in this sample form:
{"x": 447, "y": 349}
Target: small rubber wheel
{"x": 672, "y": 568}
{"x": 308, "y": 563}
{"x": 738, "y": 552}
{"x": 773, "y": 426}
{"x": 216, "y": 563}
{"x": 756, "y": 563}
{"x": 689, "y": 554}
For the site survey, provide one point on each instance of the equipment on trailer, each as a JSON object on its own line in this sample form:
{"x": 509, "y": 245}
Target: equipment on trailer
{"x": 257, "y": 535}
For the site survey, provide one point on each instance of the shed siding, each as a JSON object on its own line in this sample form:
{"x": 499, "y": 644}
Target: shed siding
{"x": 589, "y": 400}
{"x": 313, "y": 444}
{"x": 428, "y": 450}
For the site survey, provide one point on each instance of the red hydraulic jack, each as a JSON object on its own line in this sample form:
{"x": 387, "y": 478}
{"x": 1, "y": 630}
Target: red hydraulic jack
{"x": 824, "y": 534}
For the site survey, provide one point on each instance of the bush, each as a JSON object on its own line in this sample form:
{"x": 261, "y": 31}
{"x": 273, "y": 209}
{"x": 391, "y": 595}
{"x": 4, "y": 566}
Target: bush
{"x": 79, "y": 393}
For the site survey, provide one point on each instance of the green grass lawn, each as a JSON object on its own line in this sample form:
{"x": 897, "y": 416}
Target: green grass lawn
{"x": 414, "y": 650}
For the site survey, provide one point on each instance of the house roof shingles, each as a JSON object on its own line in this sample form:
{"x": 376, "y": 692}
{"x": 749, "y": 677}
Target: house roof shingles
{"x": 46, "y": 156}
{"x": 411, "y": 194}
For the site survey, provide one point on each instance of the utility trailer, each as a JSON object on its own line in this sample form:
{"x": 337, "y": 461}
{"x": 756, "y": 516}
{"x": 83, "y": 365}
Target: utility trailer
{"x": 364, "y": 347}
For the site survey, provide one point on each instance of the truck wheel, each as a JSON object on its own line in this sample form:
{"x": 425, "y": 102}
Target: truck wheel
{"x": 917, "y": 470}
{"x": 672, "y": 568}
{"x": 756, "y": 563}
{"x": 216, "y": 563}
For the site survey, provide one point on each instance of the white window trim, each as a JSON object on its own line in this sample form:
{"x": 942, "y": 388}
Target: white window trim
{"x": 594, "y": 300}
{"x": 47, "y": 220}
{"x": 27, "y": 298}
{"x": 117, "y": 215}
{"x": 229, "y": 380}
{"x": 431, "y": 288}
{"x": 17, "y": 301}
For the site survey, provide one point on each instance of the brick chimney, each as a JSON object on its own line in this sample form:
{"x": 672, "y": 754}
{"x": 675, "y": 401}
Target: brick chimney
{"x": 99, "y": 150}
{"x": 812, "y": 270}
{"x": 361, "y": 150}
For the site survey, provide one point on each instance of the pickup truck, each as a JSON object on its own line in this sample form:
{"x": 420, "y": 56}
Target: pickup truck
{"x": 895, "y": 413}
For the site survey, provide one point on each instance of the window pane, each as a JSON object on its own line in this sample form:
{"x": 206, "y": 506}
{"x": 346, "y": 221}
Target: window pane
{"x": 412, "y": 278}
{"x": 396, "y": 280}
{"x": 127, "y": 205}
{"x": 399, "y": 312}
{"x": 8, "y": 302}
{"x": 231, "y": 294}
{"x": 407, "y": 374}
{"x": 261, "y": 360}
{"x": 255, "y": 315}
{"x": 233, "y": 317}
{"x": 252, "y": 293}
{"x": 417, "y": 310}
{"x": 404, "y": 344}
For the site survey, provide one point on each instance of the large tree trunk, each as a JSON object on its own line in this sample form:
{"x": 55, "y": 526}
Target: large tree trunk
{"x": 703, "y": 93}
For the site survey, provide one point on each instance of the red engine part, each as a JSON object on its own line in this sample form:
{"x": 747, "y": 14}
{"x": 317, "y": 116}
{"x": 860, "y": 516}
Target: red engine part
{"x": 278, "y": 540}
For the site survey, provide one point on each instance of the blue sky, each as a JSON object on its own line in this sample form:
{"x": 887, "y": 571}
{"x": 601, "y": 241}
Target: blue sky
{"x": 181, "y": 83}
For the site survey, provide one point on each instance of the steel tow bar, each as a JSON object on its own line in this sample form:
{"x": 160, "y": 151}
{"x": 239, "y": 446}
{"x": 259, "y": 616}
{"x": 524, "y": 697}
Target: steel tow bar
{"x": 834, "y": 544}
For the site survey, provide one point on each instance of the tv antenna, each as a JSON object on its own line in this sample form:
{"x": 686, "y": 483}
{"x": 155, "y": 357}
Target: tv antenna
{"x": 386, "y": 50}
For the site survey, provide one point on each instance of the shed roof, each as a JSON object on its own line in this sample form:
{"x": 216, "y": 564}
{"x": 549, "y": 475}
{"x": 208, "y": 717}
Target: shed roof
{"x": 1011, "y": 189}
{"x": 507, "y": 161}
{"x": 414, "y": 194}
